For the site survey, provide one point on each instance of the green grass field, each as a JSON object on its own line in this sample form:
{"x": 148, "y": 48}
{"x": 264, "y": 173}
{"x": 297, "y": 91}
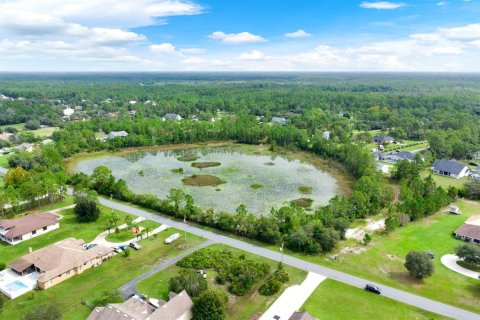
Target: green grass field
{"x": 125, "y": 235}
{"x": 333, "y": 300}
{"x": 445, "y": 182}
{"x": 70, "y": 296}
{"x": 4, "y": 162}
{"x": 45, "y": 132}
{"x": 245, "y": 307}
{"x": 19, "y": 126}
{"x": 384, "y": 258}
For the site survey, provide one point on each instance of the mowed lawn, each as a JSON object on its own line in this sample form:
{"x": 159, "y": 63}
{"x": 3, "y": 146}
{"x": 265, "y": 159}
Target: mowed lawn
{"x": 75, "y": 294}
{"x": 383, "y": 261}
{"x": 69, "y": 227}
{"x": 127, "y": 234}
{"x": 45, "y": 132}
{"x": 446, "y": 182}
{"x": 334, "y": 300}
{"x": 245, "y": 307}
{"x": 4, "y": 162}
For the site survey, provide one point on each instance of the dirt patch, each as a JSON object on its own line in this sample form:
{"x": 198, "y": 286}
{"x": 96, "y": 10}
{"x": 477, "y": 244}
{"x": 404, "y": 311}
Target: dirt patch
{"x": 303, "y": 202}
{"x": 198, "y": 180}
{"x": 178, "y": 170}
{"x": 188, "y": 158}
{"x": 201, "y": 165}
{"x": 371, "y": 226}
{"x": 305, "y": 189}
{"x": 270, "y": 163}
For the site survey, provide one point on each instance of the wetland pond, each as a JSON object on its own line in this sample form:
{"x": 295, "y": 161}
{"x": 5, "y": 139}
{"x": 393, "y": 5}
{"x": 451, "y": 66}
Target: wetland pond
{"x": 221, "y": 178}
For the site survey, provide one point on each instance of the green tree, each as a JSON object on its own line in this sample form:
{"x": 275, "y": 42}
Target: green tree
{"x": 469, "y": 253}
{"x": 44, "y": 312}
{"x": 110, "y": 296}
{"x": 419, "y": 264}
{"x": 210, "y": 305}
{"x": 87, "y": 210}
{"x": 193, "y": 283}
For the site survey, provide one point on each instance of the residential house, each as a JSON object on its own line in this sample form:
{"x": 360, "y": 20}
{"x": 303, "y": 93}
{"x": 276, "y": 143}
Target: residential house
{"x": 60, "y": 261}
{"x": 179, "y": 307}
{"x": 279, "y": 120}
{"x": 383, "y": 139}
{"x": 397, "y": 156}
{"x": 450, "y": 168}
{"x": 470, "y": 230}
{"x": 115, "y": 134}
{"x": 67, "y": 112}
{"x": 172, "y": 116}
{"x": 326, "y": 135}
{"x": 27, "y": 227}
{"x": 383, "y": 168}
{"x": 301, "y": 316}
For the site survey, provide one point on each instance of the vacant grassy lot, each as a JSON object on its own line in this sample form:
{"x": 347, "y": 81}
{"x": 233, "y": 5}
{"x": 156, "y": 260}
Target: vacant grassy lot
{"x": 70, "y": 296}
{"x": 333, "y": 300}
{"x": 239, "y": 307}
{"x": 126, "y": 234}
{"x": 4, "y": 162}
{"x": 384, "y": 258}
{"x": 69, "y": 227}
{"x": 45, "y": 132}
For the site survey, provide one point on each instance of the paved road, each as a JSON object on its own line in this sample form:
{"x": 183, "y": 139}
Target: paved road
{"x": 129, "y": 288}
{"x": 392, "y": 293}
{"x": 3, "y": 170}
{"x": 450, "y": 261}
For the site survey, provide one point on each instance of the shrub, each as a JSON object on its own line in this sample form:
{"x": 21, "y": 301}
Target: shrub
{"x": 87, "y": 210}
{"x": 3, "y": 266}
{"x": 270, "y": 287}
{"x": 210, "y": 305}
{"x": 419, "y": 264}
{"x": 469, "y": 253}
{"x": 110, "y": 296}
{"x": 193, "y": 283}
{"x": 44, "y": 312}
{"x": 126, "y": 253}
{"x": 281, "y": 275}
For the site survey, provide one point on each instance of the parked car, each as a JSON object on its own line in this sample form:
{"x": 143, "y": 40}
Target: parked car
{"x": 431, "y": 255}
{"x": 135, "y": 246}
{"x": 203, "y": 273}
{"x": 374, "y": 289}
{"x": 117, "y": 249}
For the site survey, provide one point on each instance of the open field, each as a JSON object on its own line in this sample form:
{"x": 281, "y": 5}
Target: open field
{"x": 4, "y": 162}
{"x": 69, "y": 227}
{"x": 333, "y": 300}
{"x": 445, "y": 182}
{"x": 45, "y": 132}
{"x": 239, "y": 307}
{"x": 19, "y": 126}
{"x": 73, "y": 295}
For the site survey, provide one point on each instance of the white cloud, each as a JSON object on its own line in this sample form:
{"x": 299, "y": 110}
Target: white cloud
{"x": 382, "y": 5}
{"x": 468, "y": 32}
{"x": 236, "y": 38}
{"x": 298, "y": 34}
{"x": 193, "y": 50}
{"x": 105, "y": 13}
{"x": 163, "y": 48}
{"x": 194, "y": 60}
{"x": 441, "y": 3}
{"x": 252, "y": 55}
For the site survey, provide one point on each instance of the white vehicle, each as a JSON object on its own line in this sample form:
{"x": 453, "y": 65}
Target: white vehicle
{"x": 172, "y": 238}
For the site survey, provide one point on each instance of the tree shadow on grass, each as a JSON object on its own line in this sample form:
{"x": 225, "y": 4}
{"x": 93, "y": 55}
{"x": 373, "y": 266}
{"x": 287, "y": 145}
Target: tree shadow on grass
{"x": 405, "y": 278}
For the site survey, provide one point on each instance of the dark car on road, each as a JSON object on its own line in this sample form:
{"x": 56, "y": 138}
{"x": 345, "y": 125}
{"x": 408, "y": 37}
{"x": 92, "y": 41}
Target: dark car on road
{"x": 372, "y": 288}
{"x": 473, "y": 164}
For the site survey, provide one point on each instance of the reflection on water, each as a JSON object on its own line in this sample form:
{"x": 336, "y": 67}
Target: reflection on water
{"x": 279, "y": 176}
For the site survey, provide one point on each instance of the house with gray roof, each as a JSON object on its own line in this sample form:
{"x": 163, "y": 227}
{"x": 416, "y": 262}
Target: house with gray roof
{"x": 383, "y": 139}
{"x": 450, "y": 168}
{"x": 279, "y": 120}
{"x": 179, "y": 307}
{"x": 115, "y": 134}
{"x": 172, "y": 116}
{"x": 301, "y": 316}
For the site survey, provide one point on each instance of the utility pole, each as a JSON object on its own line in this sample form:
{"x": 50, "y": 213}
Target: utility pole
{"x": 281, "y": 250}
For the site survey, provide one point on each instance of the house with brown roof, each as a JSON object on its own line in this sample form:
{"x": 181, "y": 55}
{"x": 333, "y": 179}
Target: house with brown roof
{"x": 60, "y": 261}
{"x": 301, "y": 316}
{"x": 179, "y": 307}
{"x": 27, "y": 227}
{"x": 470, "y": 230}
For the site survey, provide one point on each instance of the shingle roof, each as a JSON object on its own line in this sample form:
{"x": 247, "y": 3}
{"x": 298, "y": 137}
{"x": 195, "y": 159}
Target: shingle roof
{"x": 26, "y": 224}
{"x": 59, "y": 258}
{"x": 451, "y": 166}
{"x": 174, "y": 308}
{"x": 470, "y": 229}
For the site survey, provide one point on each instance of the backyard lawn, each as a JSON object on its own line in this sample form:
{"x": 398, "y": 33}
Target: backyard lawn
{"x": 244, "y": 307}
{"x": 45, "y": 132}
{"x": 73, "y": 295}
{"x": 127, "y": 234}
{"x": 446, "y": 182}
{"x": 334, "y": 300}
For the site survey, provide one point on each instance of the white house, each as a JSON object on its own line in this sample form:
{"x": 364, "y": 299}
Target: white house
{"x": 27, "y": 147}
{"x": 450, "y": 168}
{"x": 27, "y": 227}
{"x": 114, "y": 134}
{"x": 67, "y": 112}
{"x": 279, "y": 120}
{"x": 470, "y": 230}
{"x": 172, "y": 116}
{"x": 326, "y": 135}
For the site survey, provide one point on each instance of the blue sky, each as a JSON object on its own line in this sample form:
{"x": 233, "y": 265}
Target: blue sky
{"x": 239, "y": 35}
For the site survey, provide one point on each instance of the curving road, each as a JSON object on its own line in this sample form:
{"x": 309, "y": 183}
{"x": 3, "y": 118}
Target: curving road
{"x": 399, "y": 295}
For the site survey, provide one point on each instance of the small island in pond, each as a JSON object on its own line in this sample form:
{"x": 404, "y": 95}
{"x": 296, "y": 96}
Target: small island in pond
{"x": 198, "y": 180}
{"x": 202, "y": 165}
{"x": 303, "y": 202}
{"x": 188, "y": 158}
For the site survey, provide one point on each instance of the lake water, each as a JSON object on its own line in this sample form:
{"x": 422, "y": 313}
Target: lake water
{"x": 279, "y": 176}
